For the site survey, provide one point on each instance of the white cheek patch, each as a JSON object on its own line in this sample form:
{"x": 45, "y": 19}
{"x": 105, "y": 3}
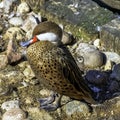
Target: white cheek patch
{"x": 48, "y": 36}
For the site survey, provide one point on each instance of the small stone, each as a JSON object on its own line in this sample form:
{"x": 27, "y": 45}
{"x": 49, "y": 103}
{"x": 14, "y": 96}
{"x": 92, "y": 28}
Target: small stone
{"x": 75, "y": 107}
{"x": 97, "y": 43}
{"x": 28, "y": 72}
{"x": 108, "y": 65}
{"x": 3, "y": 61}
{"x": 112, "y": 56}
{"x": 67, "y": 38}
{"x": 92, "y": 57}
{"x": 45, "y": 92}
{"x": 116, "y": 72}
{"x": 14, "y": 114}
{"x": 10, "y": 104}
{"x": 30, "y": 23}
{"x": 23, "y": 8}
{"x": 16, "y": 21}
{"x": 11, "y": 32}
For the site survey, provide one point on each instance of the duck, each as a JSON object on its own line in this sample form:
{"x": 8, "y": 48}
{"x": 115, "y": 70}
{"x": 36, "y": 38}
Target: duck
{"x": 55, "y": 67}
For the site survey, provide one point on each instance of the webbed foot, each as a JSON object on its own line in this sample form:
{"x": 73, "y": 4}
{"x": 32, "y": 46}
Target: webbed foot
{"x": 51, "y": 103}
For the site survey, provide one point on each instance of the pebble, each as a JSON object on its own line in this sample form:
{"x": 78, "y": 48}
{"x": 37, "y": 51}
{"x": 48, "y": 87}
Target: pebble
{"x": 23, "y": 8}
{"x": 16, "y": 21}
{"x": 67, "y": 38}
{"x": 96, "y": 43}
{"x": 92, "y": 57}
{"x": 112, "y": 56}
{"x": 116, "y": 72}
{"x": 12, "y": 31}
{"x": 3, "y": 61}
{"x": 6, "y": 4}
{"x": 30, "y": 23}
{"x": 10, "y": 104}
{"x": 108, "y": 66}
{"x": 76, "y": 106}
{"x": 14, "y": 114}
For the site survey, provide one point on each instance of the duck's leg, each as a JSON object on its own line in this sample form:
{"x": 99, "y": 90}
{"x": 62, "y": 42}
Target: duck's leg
{"x": 51, "y": 103}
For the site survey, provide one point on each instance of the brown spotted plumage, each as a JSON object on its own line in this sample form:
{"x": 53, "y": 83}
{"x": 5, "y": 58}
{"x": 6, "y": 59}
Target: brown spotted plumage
{"x": 56, "y": 68}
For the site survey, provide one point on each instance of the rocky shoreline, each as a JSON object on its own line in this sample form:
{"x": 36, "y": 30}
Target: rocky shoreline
{"x": 20, "y": 89}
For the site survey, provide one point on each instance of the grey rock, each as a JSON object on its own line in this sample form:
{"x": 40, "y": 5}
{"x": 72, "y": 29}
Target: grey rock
{"x": 16, "y": 21}
{"x": 112, "y": 3}
{"x": 112, "y": 56}
{"x": 92, "y": 57}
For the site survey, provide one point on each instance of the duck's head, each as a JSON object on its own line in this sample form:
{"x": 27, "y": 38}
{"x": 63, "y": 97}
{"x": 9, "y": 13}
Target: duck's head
{"x": 45, "y": 31}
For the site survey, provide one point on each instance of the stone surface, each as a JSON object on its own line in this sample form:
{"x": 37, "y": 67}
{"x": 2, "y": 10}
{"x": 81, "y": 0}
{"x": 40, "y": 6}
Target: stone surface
{"x": 81, "y": 18}
{"x": 112, "y": 56}
{"x": 92, "y": 57}
{"x": 14, "y": 114}
{"x": 23, "y": 8}
{"x": 14, "y": 31}
{"x": 112, "y": 3}
{"x": 110, "y": 35}
{"x": 10, "y": 104}
{"x": 16, "y": 21}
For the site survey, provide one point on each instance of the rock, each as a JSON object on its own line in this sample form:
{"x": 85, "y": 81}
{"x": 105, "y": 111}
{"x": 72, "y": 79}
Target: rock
{"x": 36, "y": 114}
{"x": 67, "y": 38}
{"x": 23, "y": 8}
{"x": 110, "y": 37}
{"x": 3, "y": 61}
{"x": 97, "y": 77}
{"x": 92, "y": 57}
{"x": 14, "y": 114}
{"x": 112, "y": 3}
{"x": 45, "y": 92}
{"x": 108, "y": 65}
{"x": 112, "y": 56}
{"x": 76, "y": 107}
{"x": 30, "y": 23}
{"x": 97, "y": 43}
{"x": 1, "y": 28}
{"x": 6, "y": 4}
{"x": 116, "y": 72}
{"x": 28, "y": 72}
{"x": 16, "y": 21}
{"x": 10, "y": 104}
{"x": 14, "y": 31}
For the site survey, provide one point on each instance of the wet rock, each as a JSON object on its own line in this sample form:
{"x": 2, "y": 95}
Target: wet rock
{"x": 16, "y": 21}
{"x": 97, "y": 77}
{"x": 116, "y": 72}
{"x": 92, "y": 57}
{"x": 10, "y": 104}
{"x": 14, "y": 114}
{"x": 14, "y": 31}
{"x": 112, "y": 56}
{"x": 23, "y": 8}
